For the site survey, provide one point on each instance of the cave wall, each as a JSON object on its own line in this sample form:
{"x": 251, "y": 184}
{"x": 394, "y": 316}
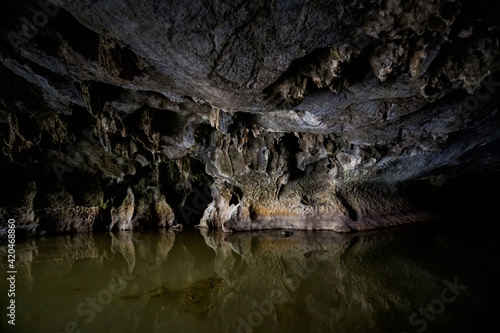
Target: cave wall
{"x": 345, "y": 115}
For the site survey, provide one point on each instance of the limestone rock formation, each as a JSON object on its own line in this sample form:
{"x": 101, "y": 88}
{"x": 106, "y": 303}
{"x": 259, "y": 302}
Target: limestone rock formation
{"x": 345, "y": 115}
{"x": 121, "y": 217}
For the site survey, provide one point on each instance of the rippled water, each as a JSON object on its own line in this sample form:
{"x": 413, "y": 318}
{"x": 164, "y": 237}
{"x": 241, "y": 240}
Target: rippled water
{"x": 199, "y": 281}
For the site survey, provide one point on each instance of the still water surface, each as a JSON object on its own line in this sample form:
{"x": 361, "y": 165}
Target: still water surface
{"x": 208, "y": 281}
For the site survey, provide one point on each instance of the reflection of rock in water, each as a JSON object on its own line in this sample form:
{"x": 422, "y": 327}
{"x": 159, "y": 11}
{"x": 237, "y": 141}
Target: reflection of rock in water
{"x": 311, "y": 282}
{"x": 121, "y": 242}
{"x": 333, "y": 280}
{"x": 25, "y": 252}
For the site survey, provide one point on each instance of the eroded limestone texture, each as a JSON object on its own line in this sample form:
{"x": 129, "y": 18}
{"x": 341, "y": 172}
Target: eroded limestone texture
{"x": 345, "y": 115}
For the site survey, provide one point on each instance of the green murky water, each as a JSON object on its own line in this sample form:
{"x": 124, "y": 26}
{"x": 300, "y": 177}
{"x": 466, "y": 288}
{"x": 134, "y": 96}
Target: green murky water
{"x": 199, "y": 281}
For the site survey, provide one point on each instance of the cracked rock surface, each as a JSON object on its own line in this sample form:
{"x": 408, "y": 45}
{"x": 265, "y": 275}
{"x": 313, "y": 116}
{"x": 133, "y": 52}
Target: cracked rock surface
{"x": 345, "y": 115}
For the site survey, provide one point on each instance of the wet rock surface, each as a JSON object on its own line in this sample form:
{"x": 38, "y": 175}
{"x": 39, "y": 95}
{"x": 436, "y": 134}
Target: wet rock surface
{"x": 247, "y": 115}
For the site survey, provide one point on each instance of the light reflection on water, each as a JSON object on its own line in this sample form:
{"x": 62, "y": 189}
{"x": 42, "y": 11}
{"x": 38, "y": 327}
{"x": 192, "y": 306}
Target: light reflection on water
{"x": 208, "y": 281}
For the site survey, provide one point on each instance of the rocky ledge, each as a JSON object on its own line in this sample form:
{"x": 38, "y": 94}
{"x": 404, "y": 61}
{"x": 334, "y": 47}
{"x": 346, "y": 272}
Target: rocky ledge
{"x": 345, "y": 115}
